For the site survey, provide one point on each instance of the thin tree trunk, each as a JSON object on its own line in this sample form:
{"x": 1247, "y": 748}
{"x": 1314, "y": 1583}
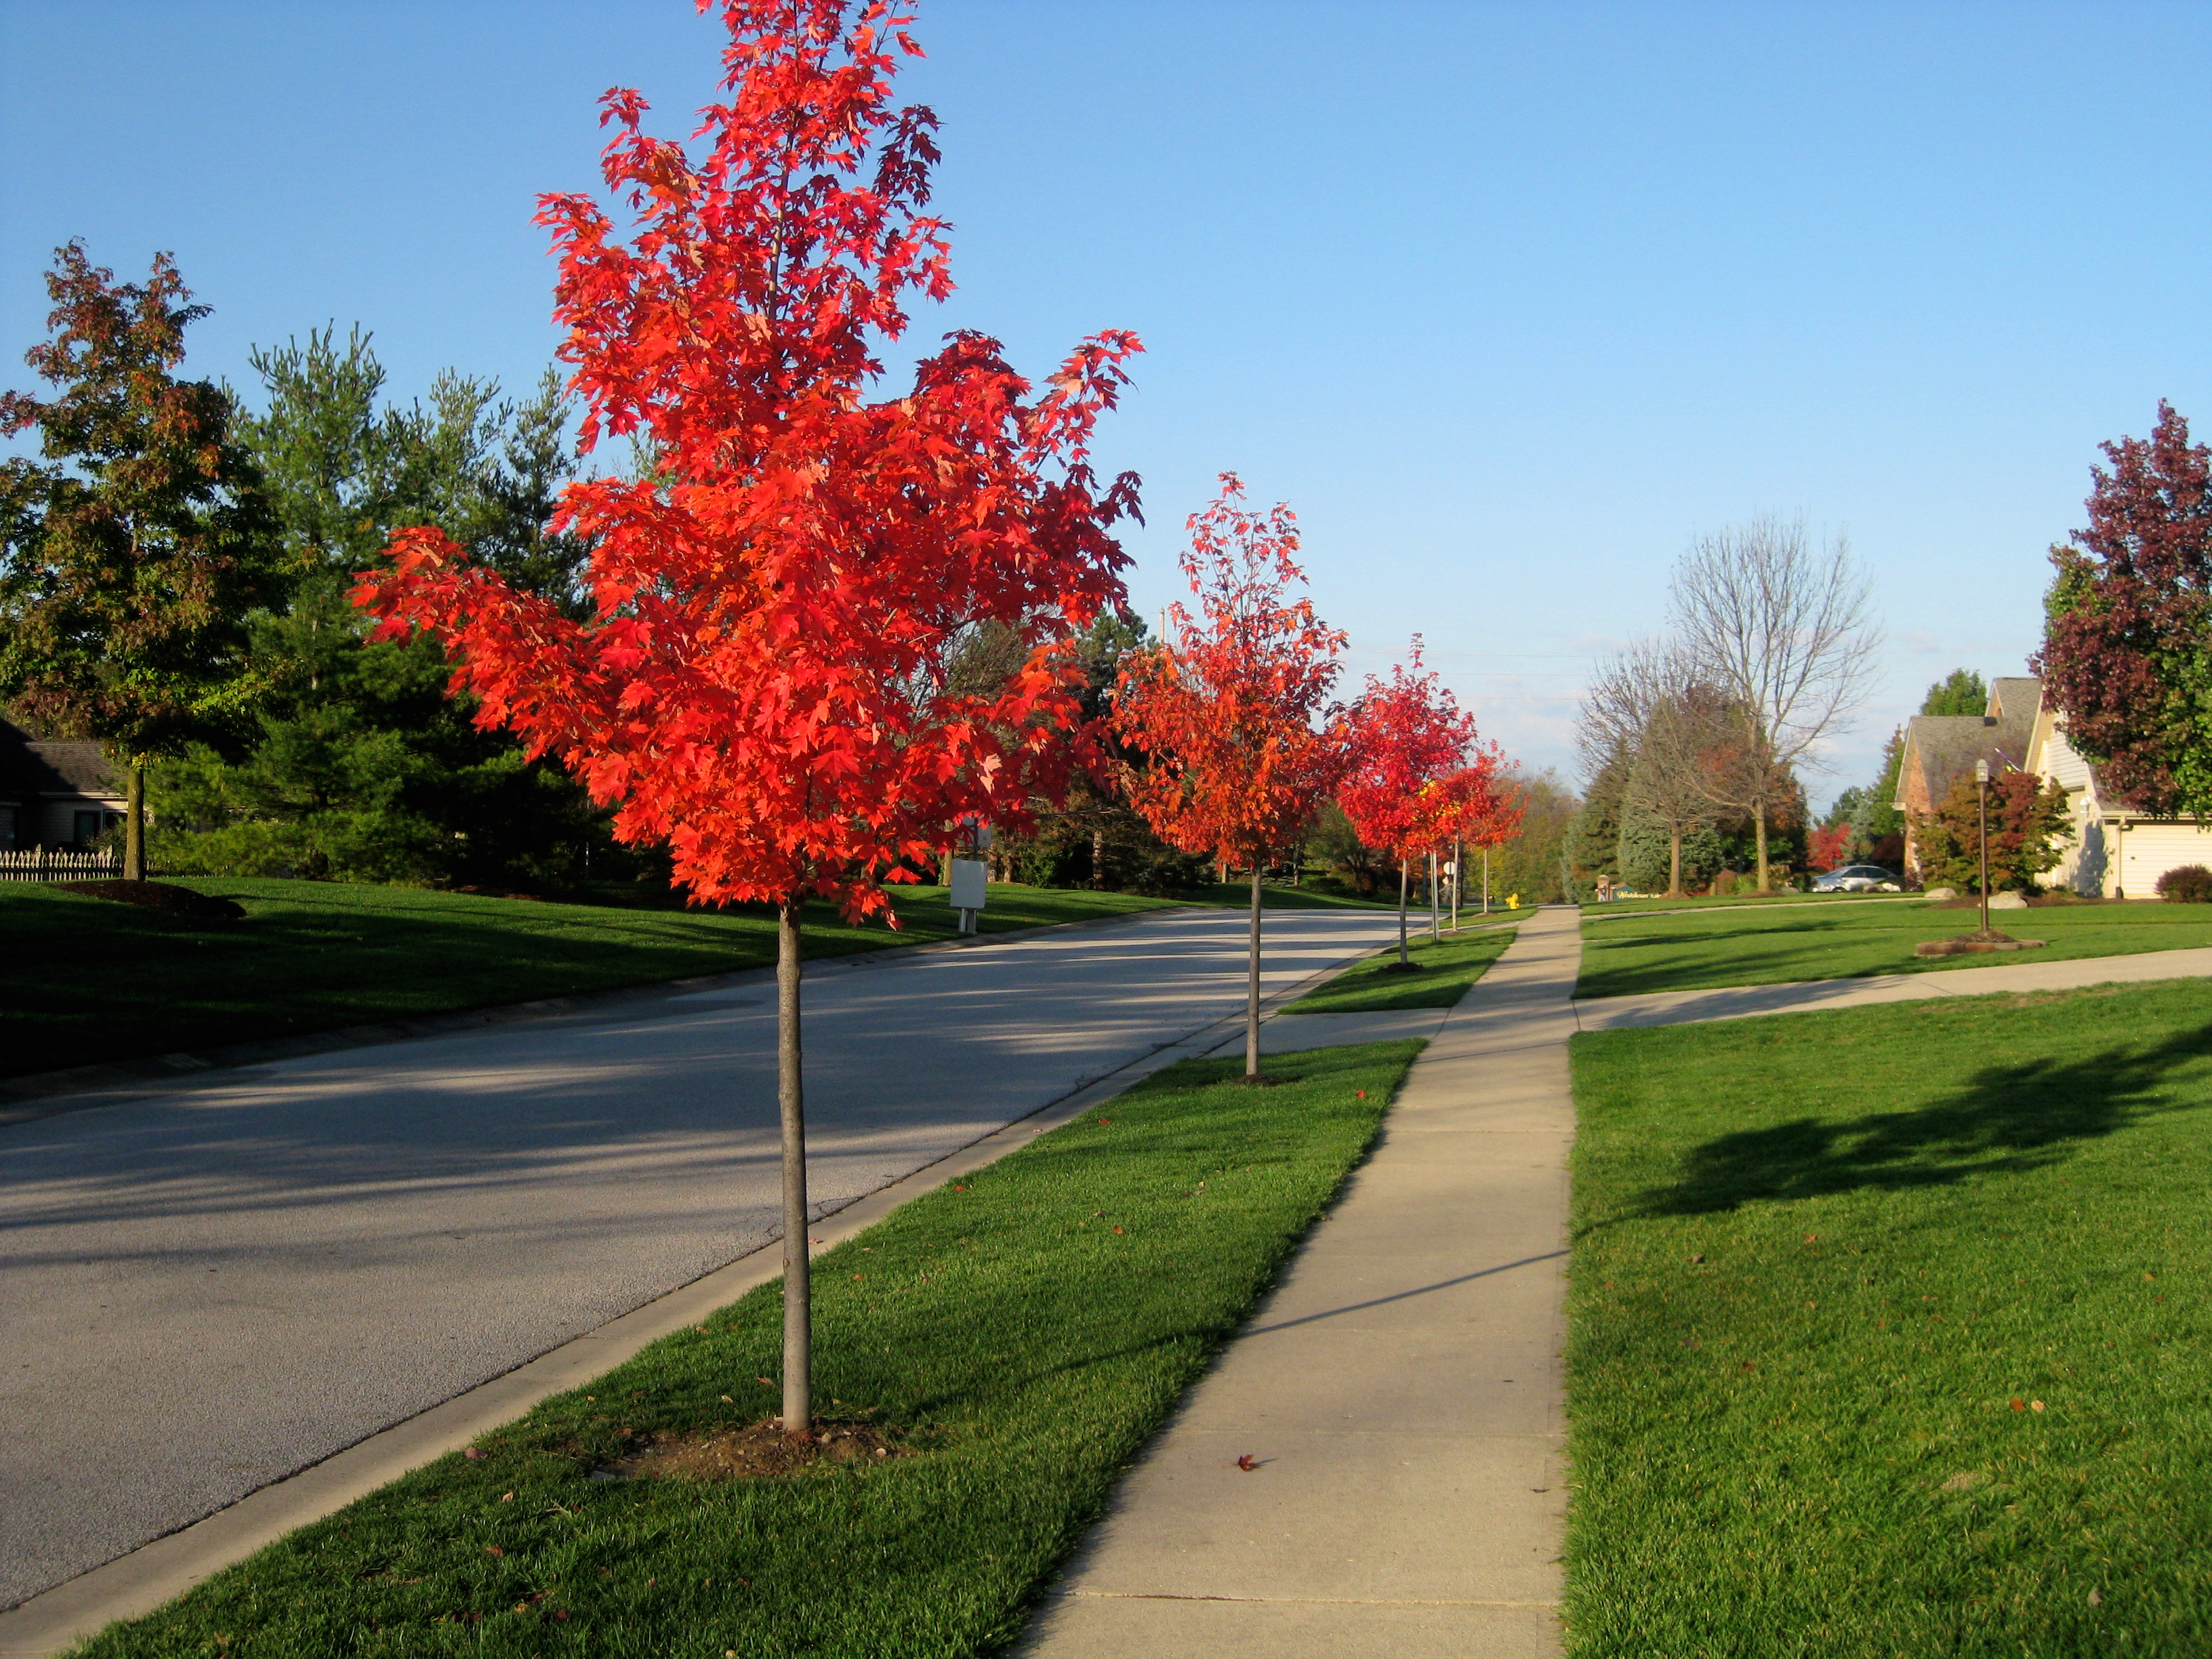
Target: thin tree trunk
{"x": 790, "y": 1106}
{"x": 1675, "y": 864}
{"x": 134, "y": 823}
{"x": 1458, "y": 880}
{"x": 1099, "y": 856}
{"x": 1403, "y": 958}
{"x": 1485, "y": 881}
{"x": 1252, "y": 984}
{"x": 1759, "y": 829}
{"x": 1436, "y": 927}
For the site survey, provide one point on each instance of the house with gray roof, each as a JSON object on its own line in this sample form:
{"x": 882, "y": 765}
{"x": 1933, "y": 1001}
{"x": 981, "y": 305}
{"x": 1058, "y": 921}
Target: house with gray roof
{"x": 54, "y": 794}
{"x": 1940, "y": 748}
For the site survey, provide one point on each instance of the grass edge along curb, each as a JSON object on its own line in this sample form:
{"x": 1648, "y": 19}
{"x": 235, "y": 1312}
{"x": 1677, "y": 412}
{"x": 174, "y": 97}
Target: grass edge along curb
{"x": 1171, "y": 1208}
{"x": 1372, "y": 984}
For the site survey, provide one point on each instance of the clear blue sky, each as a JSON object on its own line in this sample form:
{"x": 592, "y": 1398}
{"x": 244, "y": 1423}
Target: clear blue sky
{"x": 1509, "y": 301}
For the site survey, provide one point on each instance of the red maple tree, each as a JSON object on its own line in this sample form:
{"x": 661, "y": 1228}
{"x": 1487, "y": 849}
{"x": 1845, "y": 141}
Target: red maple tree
{"x": 1407, "y": 734}
{"x": 1473, "y": 806}
{"x": 777, "y": 680}
{"x": 1233, "y": 709}
{"x": 2126, "y": 652}
{"x": 1828, "y": 847}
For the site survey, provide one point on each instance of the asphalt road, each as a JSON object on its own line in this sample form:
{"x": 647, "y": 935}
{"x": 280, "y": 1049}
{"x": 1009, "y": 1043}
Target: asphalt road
{"x": 209, "y": 1288}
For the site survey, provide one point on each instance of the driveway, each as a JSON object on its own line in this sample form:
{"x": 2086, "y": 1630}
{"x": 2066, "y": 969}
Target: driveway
{"x": 211, "y": 1287}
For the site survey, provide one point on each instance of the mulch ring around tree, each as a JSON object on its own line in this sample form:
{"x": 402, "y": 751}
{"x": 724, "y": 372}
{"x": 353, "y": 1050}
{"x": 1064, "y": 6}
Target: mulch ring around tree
{"x": 158, "y": 895}
{"x": 757, "y": 1451}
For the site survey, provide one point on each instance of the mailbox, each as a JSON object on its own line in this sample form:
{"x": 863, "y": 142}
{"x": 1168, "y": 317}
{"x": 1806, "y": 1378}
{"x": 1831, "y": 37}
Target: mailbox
{"x": 968, "y": 887}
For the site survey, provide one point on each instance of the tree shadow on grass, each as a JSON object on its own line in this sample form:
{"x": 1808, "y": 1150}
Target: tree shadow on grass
{"x": 2008, "y": 1117}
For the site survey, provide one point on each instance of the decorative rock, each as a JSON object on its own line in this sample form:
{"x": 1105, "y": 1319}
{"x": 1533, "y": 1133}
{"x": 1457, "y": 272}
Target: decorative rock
{"x": 1940, "y": 893}
{"x": 2012, "y": 901}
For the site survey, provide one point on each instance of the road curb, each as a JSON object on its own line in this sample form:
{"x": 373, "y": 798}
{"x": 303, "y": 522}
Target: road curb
{"x": 135, "y": 1583}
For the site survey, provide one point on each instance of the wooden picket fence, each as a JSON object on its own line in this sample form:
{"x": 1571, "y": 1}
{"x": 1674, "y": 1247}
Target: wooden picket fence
{"x": 57, "y": 864}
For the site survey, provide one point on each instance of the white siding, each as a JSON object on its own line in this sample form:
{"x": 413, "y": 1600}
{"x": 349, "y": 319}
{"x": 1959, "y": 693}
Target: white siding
{"x": 2061, "y": 764}
{"x": 2148, "y": 851}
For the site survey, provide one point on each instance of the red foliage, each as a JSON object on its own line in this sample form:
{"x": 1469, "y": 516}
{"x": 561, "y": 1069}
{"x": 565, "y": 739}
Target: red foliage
{"x": 1475, "y": 806}
{"x": 2124, "y": 652}
{"x": 1826, "y": 848}
{"x": 1408, "y": 734}
{"x": 783, "y": 601}
{"x": 1234, "y": 713}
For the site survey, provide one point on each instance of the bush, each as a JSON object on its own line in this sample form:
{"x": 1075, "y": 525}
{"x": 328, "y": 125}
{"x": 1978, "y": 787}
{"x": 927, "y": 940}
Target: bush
{"x": 2190, "y": 883}
{"x": 1725, "y": 884}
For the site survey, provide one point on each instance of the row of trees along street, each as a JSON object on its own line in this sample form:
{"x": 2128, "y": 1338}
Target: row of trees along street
{"x": 787, "y": 655}
{"x": 1692, "y": 742}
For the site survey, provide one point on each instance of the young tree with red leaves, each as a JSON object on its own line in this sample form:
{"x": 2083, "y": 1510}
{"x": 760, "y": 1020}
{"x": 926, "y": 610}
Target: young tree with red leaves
{"x": 1233, "y": 709}
{"x": 1828, "y": 847}
{"x": 768, "y": 681}
{"x": 1406, "y": 734}
{"x": 131, "y": 550}
{"x": 2127, "y": 642}
{"x": 1476, "y": 807}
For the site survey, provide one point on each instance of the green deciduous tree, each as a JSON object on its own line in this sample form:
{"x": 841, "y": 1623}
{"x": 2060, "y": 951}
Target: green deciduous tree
{"x": 133, "y": 547}
{"x": 1960, "y": 692}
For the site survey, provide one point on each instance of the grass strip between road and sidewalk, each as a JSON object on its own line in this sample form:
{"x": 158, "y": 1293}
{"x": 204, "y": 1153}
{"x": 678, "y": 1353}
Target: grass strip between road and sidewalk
{"x": 84, "y": 980}
{"x": 1019, "y": 1335}
{"x": 1444, "y": 969}
{"x": 1888, "y": 1332}
{"x": 1626, "y": 956}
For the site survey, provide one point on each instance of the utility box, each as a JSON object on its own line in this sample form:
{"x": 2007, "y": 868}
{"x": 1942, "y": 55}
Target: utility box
{"x": 969, "y": 881}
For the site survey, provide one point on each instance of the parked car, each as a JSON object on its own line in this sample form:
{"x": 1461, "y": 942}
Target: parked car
{"x": 1859, "y": 878}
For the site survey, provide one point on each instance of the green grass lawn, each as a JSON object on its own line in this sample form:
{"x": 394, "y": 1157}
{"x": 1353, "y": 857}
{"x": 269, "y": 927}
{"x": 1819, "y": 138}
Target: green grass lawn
{"x": 1849, "y": 940}
{"x": 1447, "y": 968}
{"x": 1888, "y": 1332}
{"x": 1238, "y": 895}
{"x": 1648, "y": 907}
{"x": 1021, "y": 1338}
{"x": 84, "y": 979}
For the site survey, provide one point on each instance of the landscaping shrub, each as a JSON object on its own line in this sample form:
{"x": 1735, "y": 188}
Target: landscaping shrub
{"x": 2192, "y": 883}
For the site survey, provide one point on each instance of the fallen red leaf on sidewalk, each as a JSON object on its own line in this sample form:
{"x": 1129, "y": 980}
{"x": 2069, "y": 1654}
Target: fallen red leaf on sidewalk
{"x": 1248, "y": 1463}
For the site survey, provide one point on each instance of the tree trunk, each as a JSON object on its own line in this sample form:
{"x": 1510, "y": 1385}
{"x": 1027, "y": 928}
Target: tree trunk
{"x": 1252, "y": 986}
{"x": 1759, "y": 829}
{"x": 1098, "y": 857}
{"x": 790, "y": 1106}
{"x": 1436, "y": 924}
{"x": 134, "y": 823}
{"x": 1402, "y": 912}
{"x": 1675, "y": 864}
{"x": 1459, "y": 878}
{"x": 1485, "y": 881}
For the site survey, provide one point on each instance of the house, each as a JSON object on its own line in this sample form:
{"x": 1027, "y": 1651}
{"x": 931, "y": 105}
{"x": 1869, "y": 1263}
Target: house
{"x": 2117, "y": 850}
{"x": 54, "y": 794}
{"x": 1940, "y": 748}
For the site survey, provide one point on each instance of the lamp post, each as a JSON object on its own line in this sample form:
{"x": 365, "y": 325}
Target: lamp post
{"x": 1982, "y": 789}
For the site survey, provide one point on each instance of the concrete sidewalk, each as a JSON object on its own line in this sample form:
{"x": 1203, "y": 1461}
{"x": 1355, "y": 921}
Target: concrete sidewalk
{"x": 1401, "y": 1392}
{"x": 1740, "y": 1001}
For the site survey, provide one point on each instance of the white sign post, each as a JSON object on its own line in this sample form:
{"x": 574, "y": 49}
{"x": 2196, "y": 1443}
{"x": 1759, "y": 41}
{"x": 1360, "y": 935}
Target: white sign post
{"x": 969, "y": 882}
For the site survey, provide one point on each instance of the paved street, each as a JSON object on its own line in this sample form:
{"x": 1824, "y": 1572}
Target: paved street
{"x": 206, "y": 1289}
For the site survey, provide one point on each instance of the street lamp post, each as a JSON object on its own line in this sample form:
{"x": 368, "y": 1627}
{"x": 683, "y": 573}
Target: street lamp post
{"x": 1982, "y": 789}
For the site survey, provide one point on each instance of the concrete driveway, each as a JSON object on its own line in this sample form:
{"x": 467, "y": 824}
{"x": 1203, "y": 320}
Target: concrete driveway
{"x": 209, "y": 1288}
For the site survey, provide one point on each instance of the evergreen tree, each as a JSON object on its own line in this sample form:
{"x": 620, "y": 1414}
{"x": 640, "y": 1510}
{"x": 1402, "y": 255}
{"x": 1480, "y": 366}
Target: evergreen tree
{"x": 359, "y": 766}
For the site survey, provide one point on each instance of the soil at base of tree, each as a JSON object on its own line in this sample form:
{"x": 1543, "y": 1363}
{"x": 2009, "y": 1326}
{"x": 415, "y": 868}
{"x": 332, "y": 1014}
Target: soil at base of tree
{"x": 757, "y": 1451}
{"x": 158, "y": 895}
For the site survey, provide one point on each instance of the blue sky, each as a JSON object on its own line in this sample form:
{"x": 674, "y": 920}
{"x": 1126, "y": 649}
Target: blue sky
{"x": 1509, "y": 302}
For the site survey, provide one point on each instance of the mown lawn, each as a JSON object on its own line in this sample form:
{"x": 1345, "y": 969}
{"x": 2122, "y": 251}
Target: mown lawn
{"x": 1888, "y": 1331}
{"x": 1847, "y": 940}
{"x": 1019, "y": 1335}
{"x": 84, "y": 980}
{"x": 1443, "y": 970}
{"x": 1656, "y": 906}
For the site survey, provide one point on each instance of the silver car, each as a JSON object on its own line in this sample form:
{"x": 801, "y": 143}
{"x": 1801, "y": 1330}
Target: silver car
{"x": 1859, "y": 878}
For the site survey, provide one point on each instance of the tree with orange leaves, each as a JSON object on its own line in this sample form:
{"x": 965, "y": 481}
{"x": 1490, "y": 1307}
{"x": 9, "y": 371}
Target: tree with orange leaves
{"x": 770, "y": 680}
{"x": 1408, "y": 735}
{"x": 1472, "y": 806}
{"x": 1233, "y": 708}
